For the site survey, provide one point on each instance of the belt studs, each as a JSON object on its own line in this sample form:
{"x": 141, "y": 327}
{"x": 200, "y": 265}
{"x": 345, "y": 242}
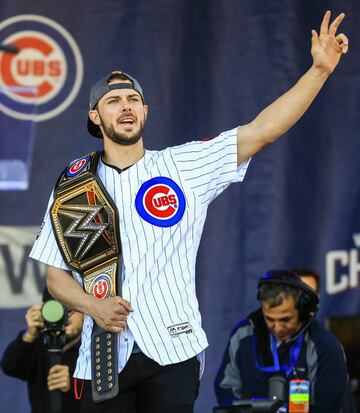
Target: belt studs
{"x": 104, "y": 364}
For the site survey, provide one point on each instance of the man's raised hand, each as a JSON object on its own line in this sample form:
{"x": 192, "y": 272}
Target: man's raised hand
{"x": 327, "y": 47}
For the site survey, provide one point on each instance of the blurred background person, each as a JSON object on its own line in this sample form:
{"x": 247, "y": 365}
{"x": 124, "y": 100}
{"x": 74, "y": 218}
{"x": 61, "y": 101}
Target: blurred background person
{"x": 283, "y": 335}
{"x": 309, "y": 277}
{"x": 27, "y": 358}
{"x": 351, "y": 399}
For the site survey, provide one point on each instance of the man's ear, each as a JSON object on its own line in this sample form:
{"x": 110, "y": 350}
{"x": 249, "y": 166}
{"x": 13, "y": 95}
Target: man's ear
{"x": 94, "y": 117}
{"x": 146, "y": 111}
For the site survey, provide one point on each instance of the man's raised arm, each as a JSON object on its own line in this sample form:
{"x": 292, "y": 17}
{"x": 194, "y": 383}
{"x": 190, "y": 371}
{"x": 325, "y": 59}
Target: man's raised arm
{"x": 278, "y": 117}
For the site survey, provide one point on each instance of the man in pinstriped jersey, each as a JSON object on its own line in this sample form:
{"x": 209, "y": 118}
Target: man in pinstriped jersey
{"x": 161, "y": 199}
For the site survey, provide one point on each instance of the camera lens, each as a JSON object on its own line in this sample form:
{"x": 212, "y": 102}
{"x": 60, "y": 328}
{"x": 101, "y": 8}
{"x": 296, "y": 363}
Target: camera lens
{"x": 52, "y": 311}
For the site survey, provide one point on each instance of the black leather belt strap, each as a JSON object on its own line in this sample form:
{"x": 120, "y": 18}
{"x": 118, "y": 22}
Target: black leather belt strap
{"x": 104, "y": 357}
{"x": 85, "y": 223}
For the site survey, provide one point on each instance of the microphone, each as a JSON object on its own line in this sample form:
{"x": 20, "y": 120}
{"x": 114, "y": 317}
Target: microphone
{"x": 277, "y": 388}
{"x": 9, "y": 48}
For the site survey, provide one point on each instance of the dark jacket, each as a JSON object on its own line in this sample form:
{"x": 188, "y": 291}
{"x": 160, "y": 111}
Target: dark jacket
{"x": 321, "y": 361}
{"x": 29, "y": 362}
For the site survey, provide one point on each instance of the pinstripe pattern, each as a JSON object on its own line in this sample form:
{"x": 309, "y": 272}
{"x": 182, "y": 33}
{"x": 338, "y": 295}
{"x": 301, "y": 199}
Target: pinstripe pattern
{"x": 159, "y": 263}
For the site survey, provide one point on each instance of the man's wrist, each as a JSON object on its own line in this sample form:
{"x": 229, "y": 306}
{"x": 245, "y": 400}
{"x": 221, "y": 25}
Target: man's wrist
{"x": 88, "y": 304}
{"x": 319, "y": 73}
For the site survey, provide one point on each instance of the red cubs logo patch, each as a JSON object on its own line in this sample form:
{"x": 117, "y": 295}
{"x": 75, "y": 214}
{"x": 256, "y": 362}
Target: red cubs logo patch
{"x": 161, "y": 202}
{"x": 101, "y": 286}
{"x": 77, "y": 166}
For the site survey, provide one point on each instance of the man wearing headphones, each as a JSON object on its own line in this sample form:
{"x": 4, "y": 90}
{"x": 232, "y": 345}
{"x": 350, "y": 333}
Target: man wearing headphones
{"x": 283, "y": 335}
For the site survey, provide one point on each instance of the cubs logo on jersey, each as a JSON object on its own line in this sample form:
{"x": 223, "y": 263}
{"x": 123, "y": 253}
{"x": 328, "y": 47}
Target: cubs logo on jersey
{"x": 161, "y": 202}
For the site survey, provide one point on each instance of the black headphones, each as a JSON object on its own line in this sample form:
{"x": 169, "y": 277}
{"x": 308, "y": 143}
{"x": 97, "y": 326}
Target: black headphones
{"x": 308, "y": 302}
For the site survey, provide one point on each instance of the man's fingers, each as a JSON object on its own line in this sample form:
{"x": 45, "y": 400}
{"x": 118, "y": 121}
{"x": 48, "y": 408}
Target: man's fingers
{"x": 34, "y": 310}
{"x": 324, "y": 28}
{"x": 116, "y": 329}
{"x": 126, "y": 304}
{"x": 315, "y": 37}
{"x": 33, "y": 319}
{"x": 34, "y": 313}
{"x": 58, "y": 368}
{"x": 121, "y": 317}
{"x": 121, "y": 306}
{"x": 56, "y": 382}
{"x": 59, "y": 378}
{"x": 343, "y": 42}
{"x": 37, "y": 324}
{"x": 117, "y": 326}
{"x": 335, "y": 24}
{"x": 111, "y": 313}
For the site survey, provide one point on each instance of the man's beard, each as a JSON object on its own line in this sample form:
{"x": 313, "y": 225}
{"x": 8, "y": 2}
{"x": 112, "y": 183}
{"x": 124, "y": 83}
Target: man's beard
{"x": 122, "y": 138}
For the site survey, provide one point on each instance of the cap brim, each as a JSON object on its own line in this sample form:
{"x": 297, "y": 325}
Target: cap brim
{"x": 93, "y": 129}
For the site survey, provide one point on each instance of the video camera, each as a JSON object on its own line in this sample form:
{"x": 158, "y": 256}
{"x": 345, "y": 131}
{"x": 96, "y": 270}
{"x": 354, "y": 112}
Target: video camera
{"x": 55, "y": 317}
{"x": 277, "y": 391}
{"x": 53, "y": 335}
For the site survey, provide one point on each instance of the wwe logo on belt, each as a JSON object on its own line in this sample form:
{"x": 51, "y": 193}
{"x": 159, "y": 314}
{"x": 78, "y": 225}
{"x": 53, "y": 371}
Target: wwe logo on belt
{"x": 83, "y": 226}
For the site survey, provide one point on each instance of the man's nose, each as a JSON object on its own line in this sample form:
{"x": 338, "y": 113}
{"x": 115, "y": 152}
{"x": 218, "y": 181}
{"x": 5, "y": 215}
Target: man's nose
{"x": 278, "y": 327}
{"x": 125, "y": 106}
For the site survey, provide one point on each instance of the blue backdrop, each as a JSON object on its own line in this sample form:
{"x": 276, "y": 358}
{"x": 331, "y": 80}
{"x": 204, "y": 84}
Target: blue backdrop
{"x": 205, "y": 66}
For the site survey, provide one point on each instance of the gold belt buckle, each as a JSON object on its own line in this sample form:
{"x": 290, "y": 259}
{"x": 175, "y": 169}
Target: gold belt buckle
{"x": 101, "y": 280}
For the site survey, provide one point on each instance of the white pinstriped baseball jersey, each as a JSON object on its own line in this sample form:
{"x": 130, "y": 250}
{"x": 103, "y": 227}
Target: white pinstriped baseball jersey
{"x": 162, "y": 202}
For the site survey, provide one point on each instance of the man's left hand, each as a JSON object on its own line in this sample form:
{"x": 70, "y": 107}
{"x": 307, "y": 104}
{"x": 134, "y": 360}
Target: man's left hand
{"x": 327, "y": 47}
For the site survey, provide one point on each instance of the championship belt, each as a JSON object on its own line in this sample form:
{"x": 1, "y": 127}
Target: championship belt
{"x": 85, "y": 223}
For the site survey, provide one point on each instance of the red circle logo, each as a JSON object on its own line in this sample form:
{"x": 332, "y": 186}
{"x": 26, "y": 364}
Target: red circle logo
{"x": 39, "y": 66}
{"x": 77, "y": 166}
{"x": 161, "y": 201}
{"x": 43, "y": 75}
{"x": 101, "y": 286}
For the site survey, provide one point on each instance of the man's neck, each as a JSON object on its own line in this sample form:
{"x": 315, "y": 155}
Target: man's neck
{"x": 122, "y": 156}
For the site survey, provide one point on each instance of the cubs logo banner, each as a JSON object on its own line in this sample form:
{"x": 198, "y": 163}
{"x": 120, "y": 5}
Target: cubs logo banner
{"x": 44, "y": 67}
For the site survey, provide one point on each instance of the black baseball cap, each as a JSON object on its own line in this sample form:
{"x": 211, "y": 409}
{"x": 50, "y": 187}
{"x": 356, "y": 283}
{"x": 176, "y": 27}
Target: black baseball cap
{"x": 101, "y": 87}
